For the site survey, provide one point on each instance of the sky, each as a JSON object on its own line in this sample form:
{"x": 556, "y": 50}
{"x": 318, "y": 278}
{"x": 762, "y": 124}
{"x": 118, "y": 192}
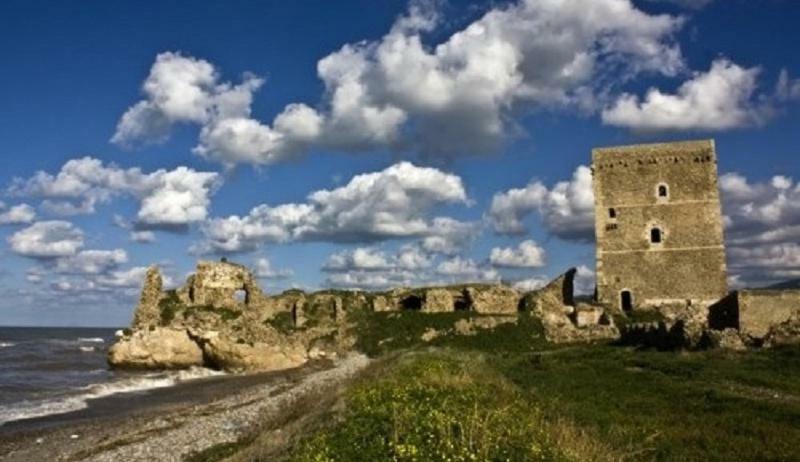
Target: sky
{"x": 363, "y": 144}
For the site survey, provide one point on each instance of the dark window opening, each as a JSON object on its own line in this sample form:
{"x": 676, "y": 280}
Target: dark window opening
{"x": 460, "y": 304}
{"x": 626, "y": 301}
{"x": 662, "y": 191}
{"x": 412, "y": 303}
{"x": 655, "y": 236}
{"x": 612, "y": 213}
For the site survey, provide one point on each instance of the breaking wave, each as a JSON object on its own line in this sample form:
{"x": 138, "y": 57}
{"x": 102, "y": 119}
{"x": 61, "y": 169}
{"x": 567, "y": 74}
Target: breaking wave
{"x": 91, "y": 340}
{"x": 80, "y": 400}
{"x": 6, "y": 344}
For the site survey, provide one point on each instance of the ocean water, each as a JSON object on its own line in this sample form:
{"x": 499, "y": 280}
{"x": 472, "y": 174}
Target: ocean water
{"x": 46, "y": 371}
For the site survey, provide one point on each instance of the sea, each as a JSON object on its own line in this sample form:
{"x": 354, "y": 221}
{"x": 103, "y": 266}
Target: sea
{"x": 55, "y": 370}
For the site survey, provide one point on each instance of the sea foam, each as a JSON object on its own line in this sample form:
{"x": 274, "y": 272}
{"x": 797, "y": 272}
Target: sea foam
{"x": 80, "y": 400}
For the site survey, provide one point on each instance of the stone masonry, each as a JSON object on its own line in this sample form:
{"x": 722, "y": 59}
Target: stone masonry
{"x": 658, "y": 225}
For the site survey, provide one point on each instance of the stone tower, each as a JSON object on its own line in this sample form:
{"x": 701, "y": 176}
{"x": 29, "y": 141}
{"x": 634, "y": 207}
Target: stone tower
{"x": 658, "y": 225}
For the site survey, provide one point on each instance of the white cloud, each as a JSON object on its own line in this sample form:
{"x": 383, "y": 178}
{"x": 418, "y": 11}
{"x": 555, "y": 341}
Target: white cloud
{"x": 720, "y": 99}
{"x": 182, "y": 89}
{"x": 567, "y": 210}
{"x": 371, "y": 280}
{"x": 91, "y": 261}
{"x": 787, "y": 89}
{"x": 18, "y": 214}
{"x": 407, "y": 258}
{"x": 168, "y": 198}
{"x": 529, "y": 284}
{"x": 762, "y": 229}
{"x": 143, "y": 237}
{"x": 466, "y": 269}
{"x": 265, "y": 270}
{"x": 453, "y": 98}
{"x": 527, "y": 255}
{"x": 47, "y": 239}
{"x": 177, "y": 197}
{"x": 392, "y": 203}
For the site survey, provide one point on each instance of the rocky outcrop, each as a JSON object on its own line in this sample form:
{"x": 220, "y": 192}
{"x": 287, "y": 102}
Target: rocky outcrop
{"x": 147, "y": 312}
{"x": 156, "y": 348}
{"x": 222, "y": 353}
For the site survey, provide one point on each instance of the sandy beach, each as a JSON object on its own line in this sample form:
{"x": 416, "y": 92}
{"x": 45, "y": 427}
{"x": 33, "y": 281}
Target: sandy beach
{"x": 169, "y": 424}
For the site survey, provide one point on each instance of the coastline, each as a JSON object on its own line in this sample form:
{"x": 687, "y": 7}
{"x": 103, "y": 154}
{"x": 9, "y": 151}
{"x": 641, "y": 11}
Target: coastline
{"x": 168, "y": 424}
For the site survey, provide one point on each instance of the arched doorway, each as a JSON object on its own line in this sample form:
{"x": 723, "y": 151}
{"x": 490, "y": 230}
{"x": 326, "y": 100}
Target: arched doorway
{"x": 626, "y": 301}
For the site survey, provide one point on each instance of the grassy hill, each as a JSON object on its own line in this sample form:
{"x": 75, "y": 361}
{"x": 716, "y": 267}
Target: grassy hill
{"x": 507, "y": 395}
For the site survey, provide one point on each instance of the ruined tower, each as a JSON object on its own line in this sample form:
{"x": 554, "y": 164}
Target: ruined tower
{"x": 658, "y": 225}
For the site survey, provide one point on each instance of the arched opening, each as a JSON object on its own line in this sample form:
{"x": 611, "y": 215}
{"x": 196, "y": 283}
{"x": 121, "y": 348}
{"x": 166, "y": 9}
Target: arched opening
{"x": 655, "y": 236}
{"x": 626, "y": 301}
{"x": 460, "y": 304}
{"x": 411, "y": 303}
{"x": 612, "y": 213}
{"x": 663, "y": 191}
{"x": 240, "y": 296}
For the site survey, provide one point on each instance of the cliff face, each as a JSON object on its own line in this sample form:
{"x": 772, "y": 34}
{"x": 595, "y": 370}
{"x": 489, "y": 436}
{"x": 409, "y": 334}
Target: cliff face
{"x": 220, "y": 318}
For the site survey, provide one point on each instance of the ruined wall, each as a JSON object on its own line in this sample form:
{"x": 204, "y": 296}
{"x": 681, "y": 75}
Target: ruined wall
{"x": 689, "y": 261}
{"x": 147, "y": 312}
{"x": 217, "y": 284}
{"x": 760, "y": 310}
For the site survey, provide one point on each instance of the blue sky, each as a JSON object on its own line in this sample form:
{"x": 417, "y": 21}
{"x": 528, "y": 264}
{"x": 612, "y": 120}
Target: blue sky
{"x": 369, "y": 144}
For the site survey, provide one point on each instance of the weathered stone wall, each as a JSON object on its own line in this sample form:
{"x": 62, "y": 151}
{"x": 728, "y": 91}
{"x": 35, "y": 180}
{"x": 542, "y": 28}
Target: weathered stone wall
{"x": 759, "y": 310}
{"x": 217, "y": 283}
{"x": 689, "y": 262}
{"x": 147, "y": 312}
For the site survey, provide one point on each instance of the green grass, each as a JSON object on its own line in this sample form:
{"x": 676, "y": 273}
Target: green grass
{"x": 433, "y": 408}
{"x": 665, "y": 406}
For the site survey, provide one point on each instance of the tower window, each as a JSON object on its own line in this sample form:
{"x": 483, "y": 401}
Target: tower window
{"x": 612, "y": 213}
{"x": 655, "y": 236}
{"x": 663, "y": 191}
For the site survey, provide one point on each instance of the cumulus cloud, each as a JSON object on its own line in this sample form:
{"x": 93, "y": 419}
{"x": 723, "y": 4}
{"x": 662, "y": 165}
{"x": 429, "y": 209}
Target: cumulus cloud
{"x": 265, "y": 270}
{"x": 527, "y": 254}
{"x": 720, "y": 99}
{"x": 168, "y": 198}
{"x": 143, "y": 236}
{"x": 47, "y": 239}
{"x": 91, "y": 261}
{"x": 566, "y": 209}
{"x": 18, "y": 214}
{"x": 762, "y": 228}
{"x": 453, "y": 98}
{"x": 182, "y": 89}
{"x": 529, "y": 284}
{"x": 372, "y": 268}
{"x": 466, "y": 269}
{"x": 392, "y": 203}
{"x": 408, "y": 257}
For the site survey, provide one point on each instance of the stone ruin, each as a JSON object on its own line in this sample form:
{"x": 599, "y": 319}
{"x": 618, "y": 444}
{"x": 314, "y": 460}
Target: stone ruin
{"x": 221, "y": 318}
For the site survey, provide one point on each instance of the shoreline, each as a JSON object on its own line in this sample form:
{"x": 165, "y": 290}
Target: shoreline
{"x": 170, "y": 423}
